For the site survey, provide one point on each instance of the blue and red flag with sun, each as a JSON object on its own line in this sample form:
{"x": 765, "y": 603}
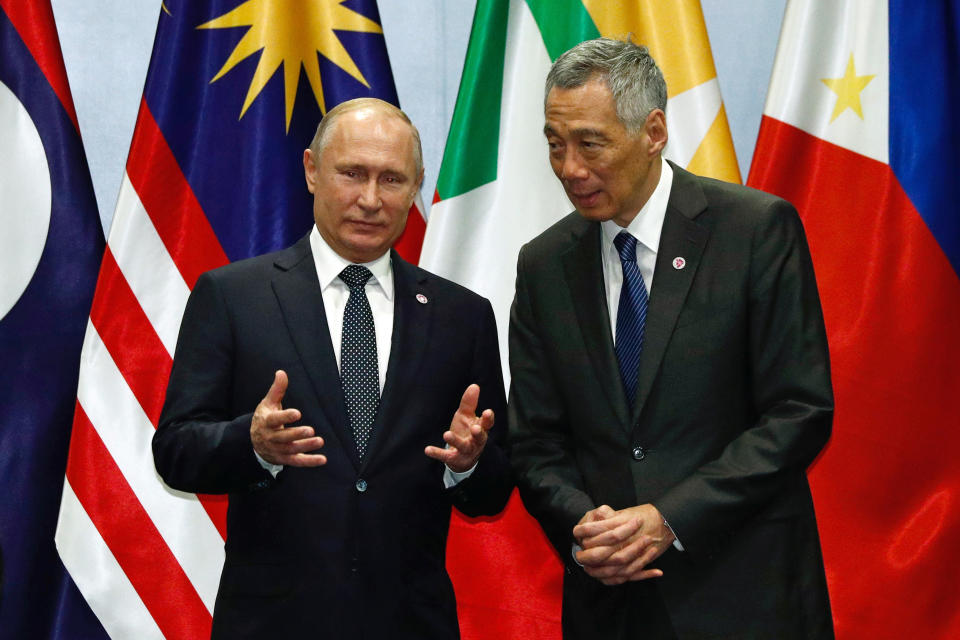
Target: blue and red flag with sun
{"x": 234, "y": 92}
{"x": 860, "y": 131}
{"x": 51, "y": 242}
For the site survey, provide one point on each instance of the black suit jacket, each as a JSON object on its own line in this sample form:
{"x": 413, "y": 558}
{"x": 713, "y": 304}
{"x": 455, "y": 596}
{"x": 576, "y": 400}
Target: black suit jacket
{"x": 734, "y": 402}
{"x": 349, "y": 549}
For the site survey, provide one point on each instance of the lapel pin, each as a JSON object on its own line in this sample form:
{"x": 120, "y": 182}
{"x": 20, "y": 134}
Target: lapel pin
{"x": 679, "y": 262}
{"x": 422, "y": 299}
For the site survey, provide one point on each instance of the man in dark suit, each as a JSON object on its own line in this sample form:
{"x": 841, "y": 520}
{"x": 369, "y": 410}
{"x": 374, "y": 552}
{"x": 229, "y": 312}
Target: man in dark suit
{"x": 669, "y": 386}
{"x": 347, "y": 540}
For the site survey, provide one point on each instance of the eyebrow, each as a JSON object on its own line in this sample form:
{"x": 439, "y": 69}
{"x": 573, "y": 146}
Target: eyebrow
{"x": 584, "y": 132}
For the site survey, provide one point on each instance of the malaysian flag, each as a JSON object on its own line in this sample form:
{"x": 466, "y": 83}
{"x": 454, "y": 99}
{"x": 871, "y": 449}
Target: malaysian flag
{"x": 233, "y": 94}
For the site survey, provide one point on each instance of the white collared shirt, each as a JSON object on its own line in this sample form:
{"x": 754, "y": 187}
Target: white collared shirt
{"x": 645, "y": 227}
{"x": 379, "y": 290}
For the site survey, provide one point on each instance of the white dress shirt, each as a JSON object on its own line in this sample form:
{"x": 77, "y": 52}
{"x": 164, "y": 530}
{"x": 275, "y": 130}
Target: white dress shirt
{"x": 645, "y": 227}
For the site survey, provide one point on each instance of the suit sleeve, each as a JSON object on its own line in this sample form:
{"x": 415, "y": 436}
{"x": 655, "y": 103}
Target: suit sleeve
{"x": 199, "y": 446}
{"x": 488, "y": 488}
{"x": 550, "y": 484}
{"x": 790, "y": 388}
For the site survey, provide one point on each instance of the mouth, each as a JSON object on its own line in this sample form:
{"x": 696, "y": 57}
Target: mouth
{"x": 364, "y": 224}
{"x": 584, "y": 199}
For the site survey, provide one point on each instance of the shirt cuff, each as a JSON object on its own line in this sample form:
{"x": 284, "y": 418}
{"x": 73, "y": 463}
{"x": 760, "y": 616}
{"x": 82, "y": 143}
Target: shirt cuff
{"x": 676, "y": 540}
{"x": 452, "y": 478}
{"x": 274, "y": 469}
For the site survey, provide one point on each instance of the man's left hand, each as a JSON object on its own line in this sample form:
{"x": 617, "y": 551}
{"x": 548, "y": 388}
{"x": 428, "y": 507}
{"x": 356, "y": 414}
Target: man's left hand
{"x": 467, "y": 434}
{"x": 619, "y": 547}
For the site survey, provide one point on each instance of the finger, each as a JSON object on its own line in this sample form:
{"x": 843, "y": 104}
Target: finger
{"x": 304, "y": 460}
{"x": 617, "y": 535}
{"x": 271, "y": 419}
{"x": 605, "y": 511}
{"x": 586, "y": 530}
{"x": 633, "y": 554}
{"x": 290, "y": 434}
{"x": 486, "y": 419}
{"x": 467, "y": 444}
{"x": 468, "y": 402}
{"x": 274, "y": 397}
{"x": 646, "y": 574}
{"x": 597, "y": 556}
{"x": 441, "y": 454}
{"x": 303, "y": 445}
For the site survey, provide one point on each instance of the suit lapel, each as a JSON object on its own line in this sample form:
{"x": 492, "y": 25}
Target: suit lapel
{"x": 301, "y": 302}
{"x": 411, "y": 332}
{"x": 681, "y": 237}
{"x": 584, "y": 273}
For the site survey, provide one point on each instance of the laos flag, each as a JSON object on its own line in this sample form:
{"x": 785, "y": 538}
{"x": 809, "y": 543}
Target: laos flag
{"x": 860, "y": 131}
{"x": 51, "y": 242}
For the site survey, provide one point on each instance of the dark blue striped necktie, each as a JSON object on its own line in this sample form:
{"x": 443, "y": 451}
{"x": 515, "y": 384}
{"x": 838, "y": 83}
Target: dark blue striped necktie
{"x": 631, "y": 315}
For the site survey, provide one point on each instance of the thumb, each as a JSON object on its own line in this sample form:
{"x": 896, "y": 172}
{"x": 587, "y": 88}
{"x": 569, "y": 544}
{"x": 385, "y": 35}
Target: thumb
{"x": 274, "y": 397}
{"x": 468, "y": 403}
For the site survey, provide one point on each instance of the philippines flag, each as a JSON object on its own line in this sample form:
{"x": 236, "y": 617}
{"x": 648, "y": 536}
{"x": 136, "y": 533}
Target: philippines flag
{"x": 50, "y": 247}
{"x": 233, "y": 94}
{"x": 861, "y": 132}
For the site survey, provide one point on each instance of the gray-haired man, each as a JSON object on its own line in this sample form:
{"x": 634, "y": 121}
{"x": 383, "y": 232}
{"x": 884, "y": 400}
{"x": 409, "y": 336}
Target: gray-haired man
{"x": 670, "y": 386}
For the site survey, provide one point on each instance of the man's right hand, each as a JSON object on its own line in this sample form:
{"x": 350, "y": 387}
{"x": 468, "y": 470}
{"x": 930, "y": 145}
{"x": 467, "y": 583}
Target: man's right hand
{"x": 277, "y": 443}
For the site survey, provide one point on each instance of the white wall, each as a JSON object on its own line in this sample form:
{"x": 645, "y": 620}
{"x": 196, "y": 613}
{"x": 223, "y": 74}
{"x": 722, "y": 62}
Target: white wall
{"x": 106, "y": 47}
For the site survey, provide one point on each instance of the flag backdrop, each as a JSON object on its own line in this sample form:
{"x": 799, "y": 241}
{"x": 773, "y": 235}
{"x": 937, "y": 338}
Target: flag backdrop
{"x": 233, "y": 94}
{"x": 860, "y": 131}
{"x": 496, "y": 191}
{"x": 50, "y": 248}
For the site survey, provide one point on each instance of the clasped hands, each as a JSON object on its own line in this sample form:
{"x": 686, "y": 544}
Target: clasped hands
{"x": 618, "y": 546}
{"x": 277, "y": 443}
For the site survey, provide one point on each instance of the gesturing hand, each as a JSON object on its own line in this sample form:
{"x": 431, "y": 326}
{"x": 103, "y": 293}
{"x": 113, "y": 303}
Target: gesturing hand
{"x": 618, "y": 545}
{"x": 467, "y": 434}
{"x": 277, "y": 443}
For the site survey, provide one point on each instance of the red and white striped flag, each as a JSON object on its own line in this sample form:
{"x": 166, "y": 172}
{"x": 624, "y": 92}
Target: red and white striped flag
{"x": 214, "y": 174}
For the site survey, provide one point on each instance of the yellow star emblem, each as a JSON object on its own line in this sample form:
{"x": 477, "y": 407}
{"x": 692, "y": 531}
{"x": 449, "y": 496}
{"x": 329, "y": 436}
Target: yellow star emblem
{"x": 848, "y": 90}
{"x": 291, "y": 33}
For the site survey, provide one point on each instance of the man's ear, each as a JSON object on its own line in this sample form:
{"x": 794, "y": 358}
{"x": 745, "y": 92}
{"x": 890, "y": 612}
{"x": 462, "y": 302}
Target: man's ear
{"x": 309, "y": 170}
{"x": 655, "y": 129}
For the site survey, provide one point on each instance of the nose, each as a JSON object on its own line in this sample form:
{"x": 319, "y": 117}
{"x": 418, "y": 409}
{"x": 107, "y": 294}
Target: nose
{"x": 572, "y": 166}
{"x": 369, "y": 199}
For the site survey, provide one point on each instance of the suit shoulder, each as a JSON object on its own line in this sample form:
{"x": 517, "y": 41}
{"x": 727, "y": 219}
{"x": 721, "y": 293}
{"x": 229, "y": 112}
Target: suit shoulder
{"x": 559, "y": 236}
{"x": 449, "y": 289}
{"x": 745, "y": 200}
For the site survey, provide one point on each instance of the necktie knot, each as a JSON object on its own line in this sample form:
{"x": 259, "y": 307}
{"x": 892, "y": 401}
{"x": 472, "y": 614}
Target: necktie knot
{"x": 355, "y": 276}
{"x": 626, "y": 246}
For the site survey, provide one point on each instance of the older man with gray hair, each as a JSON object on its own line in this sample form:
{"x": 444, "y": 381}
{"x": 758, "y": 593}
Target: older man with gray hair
{"x": 670, "y": 378}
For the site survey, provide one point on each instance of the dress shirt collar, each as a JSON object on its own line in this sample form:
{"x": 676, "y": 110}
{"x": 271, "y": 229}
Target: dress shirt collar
{"x": 648, "y": 223}
{"x": 329, "y": 264}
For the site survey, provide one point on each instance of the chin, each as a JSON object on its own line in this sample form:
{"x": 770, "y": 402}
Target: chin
{"x": 596, "y": 215}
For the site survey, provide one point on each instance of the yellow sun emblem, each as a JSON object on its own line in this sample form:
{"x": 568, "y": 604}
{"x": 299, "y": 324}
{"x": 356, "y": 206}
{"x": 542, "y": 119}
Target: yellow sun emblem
{"x": 291, "y": 33}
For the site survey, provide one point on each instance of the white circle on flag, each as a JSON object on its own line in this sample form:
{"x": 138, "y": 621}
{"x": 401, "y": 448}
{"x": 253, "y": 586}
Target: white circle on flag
{"x": 24, "y": 199}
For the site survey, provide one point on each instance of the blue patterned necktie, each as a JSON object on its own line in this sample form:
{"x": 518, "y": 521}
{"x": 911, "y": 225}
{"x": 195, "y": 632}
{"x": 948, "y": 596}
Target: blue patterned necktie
{"x": 631, "y": 315}
{"x": 359, "y": 372}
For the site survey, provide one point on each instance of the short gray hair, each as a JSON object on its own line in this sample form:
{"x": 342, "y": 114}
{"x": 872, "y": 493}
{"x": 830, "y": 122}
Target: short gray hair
{"x": 629, "y": 71}
{"x": 322, "y": 136}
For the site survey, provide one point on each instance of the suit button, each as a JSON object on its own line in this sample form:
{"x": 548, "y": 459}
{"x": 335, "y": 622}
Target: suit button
{"x": 361, "y": 485}
{"x": 639, "y": 453}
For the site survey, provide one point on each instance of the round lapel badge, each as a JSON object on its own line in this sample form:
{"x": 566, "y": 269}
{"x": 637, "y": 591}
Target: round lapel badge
{"x": 679, "y": 262}
{"x": 422, "y": 299}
